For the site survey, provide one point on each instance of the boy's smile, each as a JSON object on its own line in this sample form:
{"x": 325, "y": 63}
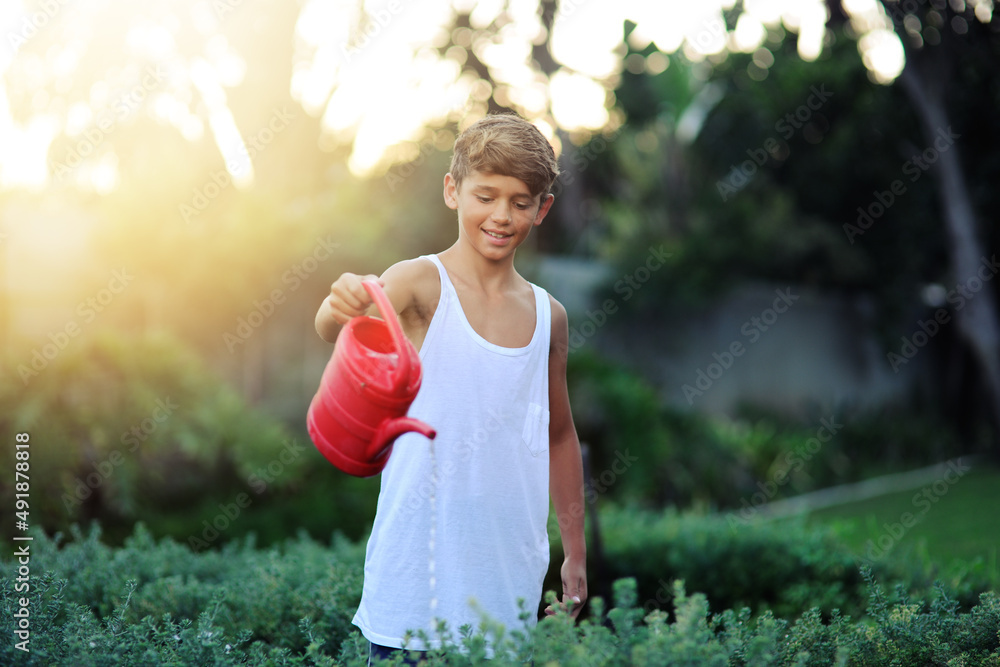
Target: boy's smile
{"x": 495, "y": 212}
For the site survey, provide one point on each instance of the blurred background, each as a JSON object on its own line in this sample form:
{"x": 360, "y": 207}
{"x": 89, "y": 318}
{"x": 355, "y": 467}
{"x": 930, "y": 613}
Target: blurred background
{"x": 775, "y": 232}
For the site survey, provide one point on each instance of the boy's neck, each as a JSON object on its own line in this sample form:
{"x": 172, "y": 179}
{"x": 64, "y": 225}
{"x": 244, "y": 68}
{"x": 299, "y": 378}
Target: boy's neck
{"x": 482, "y": 273}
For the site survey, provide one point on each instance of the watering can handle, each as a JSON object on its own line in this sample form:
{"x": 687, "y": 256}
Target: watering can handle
{"x": 398, "y": 338}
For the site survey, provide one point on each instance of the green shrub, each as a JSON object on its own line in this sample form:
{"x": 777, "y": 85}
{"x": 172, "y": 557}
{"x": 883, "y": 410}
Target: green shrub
{"x": 787, "y": 568}
{"x": 123, "y": 429}
{"x": 867, "y": 443}
{"x": 689, "y": 459}
{"x": 87, "y": 588}
{"x": 759, "y": 566}
{"x": 159, "y": 604}
{"x": 619, "y": 414}
{"x": 910, "y": 632}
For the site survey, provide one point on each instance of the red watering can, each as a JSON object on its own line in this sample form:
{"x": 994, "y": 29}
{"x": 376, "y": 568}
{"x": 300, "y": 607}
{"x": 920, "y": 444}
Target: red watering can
{"x": 367, "y": 387}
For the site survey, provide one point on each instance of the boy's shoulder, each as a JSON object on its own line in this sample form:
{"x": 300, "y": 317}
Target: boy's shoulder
{"x": 418, "y": 268}
{"x": 413, "y": 284}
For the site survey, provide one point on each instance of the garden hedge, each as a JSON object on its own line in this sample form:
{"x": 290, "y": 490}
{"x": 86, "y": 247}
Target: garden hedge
{"x": 159, "y": 603}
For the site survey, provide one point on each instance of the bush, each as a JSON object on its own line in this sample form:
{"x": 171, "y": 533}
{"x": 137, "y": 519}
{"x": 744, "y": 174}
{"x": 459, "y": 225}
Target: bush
{"x": 158, "y": 603}
{"x": 760, "y": 566}
{"x": 688, "y": 459}
{"x": 785, "y": 568}
{"x": 122, "y": 428}
{"x": 137, "y": 597}
{"x": 128, "y": 428}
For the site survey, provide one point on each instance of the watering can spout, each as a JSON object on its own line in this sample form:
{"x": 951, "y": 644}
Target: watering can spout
{"x": 390, "y": 429}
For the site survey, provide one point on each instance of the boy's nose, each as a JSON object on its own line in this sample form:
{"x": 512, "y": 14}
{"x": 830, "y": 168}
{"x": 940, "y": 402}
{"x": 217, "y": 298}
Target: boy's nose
{"x": 501, "y": 214}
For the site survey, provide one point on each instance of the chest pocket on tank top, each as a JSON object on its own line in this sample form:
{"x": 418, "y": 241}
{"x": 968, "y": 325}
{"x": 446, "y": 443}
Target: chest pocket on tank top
{"x": 536, "y": 429}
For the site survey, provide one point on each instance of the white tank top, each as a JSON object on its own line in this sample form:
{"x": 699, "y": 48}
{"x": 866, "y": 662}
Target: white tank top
{"x": 490, "y": 406}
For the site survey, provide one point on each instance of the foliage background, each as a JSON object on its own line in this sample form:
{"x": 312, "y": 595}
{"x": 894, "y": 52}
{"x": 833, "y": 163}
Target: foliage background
{"x": 351, "y": 111}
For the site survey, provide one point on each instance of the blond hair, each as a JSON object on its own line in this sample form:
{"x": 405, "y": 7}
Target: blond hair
{"x": 507, "y": 145}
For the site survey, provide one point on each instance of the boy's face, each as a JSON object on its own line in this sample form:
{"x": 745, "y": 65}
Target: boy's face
{"x": 495, "y": 213}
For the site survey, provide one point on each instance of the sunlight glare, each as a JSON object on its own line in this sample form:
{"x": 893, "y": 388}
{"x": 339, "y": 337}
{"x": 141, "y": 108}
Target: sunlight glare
{"x": 484, "y": 13}
{"x": 768, "y": 12}
{"x": 812, "y": 26}
{"x": 659, "y": 23}
{"x": 223, "y": 125}
{"x": 335, "y": 78}
{"x": 706, "y": 32}
{"x": 228, "y": 64}
{"x": 104, "y": 174}
{"x": 807, "y": 18}
{"x": 866, "y": 15}
{"x": 578, "y": 101}
{"x": 594, "y": 55}
{"x": 371, "y": 71}
{"x": 749, "y": 33}
{"x": 879, "y": 45}
{"x": 78, "y": 118}
{"x": 983, "y": 10}
{"x": 882, "y": 54}
{"x": 23, "y": 162}
{"x": 855, "y": 7}
{"x": 150, "y": 40}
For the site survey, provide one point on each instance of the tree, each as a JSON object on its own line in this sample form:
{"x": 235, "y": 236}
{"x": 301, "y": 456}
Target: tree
{"x": 930, "y": 78}
{"x": 947, "y": 82}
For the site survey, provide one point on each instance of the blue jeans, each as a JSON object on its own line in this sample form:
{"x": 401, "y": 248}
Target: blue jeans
{"x": 377, "y": 651}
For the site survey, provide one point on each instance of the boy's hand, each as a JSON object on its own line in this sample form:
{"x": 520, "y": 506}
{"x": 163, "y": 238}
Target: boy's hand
{"x": 348, "y": 299}
{"x": 574, "y": 583}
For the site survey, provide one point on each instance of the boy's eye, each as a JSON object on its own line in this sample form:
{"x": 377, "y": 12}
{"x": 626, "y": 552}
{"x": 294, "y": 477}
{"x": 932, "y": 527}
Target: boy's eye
{"x": 520, "y": 206}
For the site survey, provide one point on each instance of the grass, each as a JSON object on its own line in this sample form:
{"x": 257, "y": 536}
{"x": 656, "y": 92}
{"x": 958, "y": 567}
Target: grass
{"x": 951, "y": 520}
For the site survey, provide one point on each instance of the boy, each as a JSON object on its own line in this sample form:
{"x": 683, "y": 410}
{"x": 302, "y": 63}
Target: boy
{"x": 493, "y": 349}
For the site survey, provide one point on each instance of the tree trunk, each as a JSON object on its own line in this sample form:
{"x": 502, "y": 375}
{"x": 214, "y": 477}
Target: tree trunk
{"x": 977, "y": 321}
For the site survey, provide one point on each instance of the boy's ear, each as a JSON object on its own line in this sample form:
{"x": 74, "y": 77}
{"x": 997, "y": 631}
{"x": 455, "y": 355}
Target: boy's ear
{"x": 543, "y": 208}
{"x": 450, "y": 191}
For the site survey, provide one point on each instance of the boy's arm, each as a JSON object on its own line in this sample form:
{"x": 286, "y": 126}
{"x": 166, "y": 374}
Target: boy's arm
{"x": 566, "y": 468}
{"x": 409, "y": 284}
